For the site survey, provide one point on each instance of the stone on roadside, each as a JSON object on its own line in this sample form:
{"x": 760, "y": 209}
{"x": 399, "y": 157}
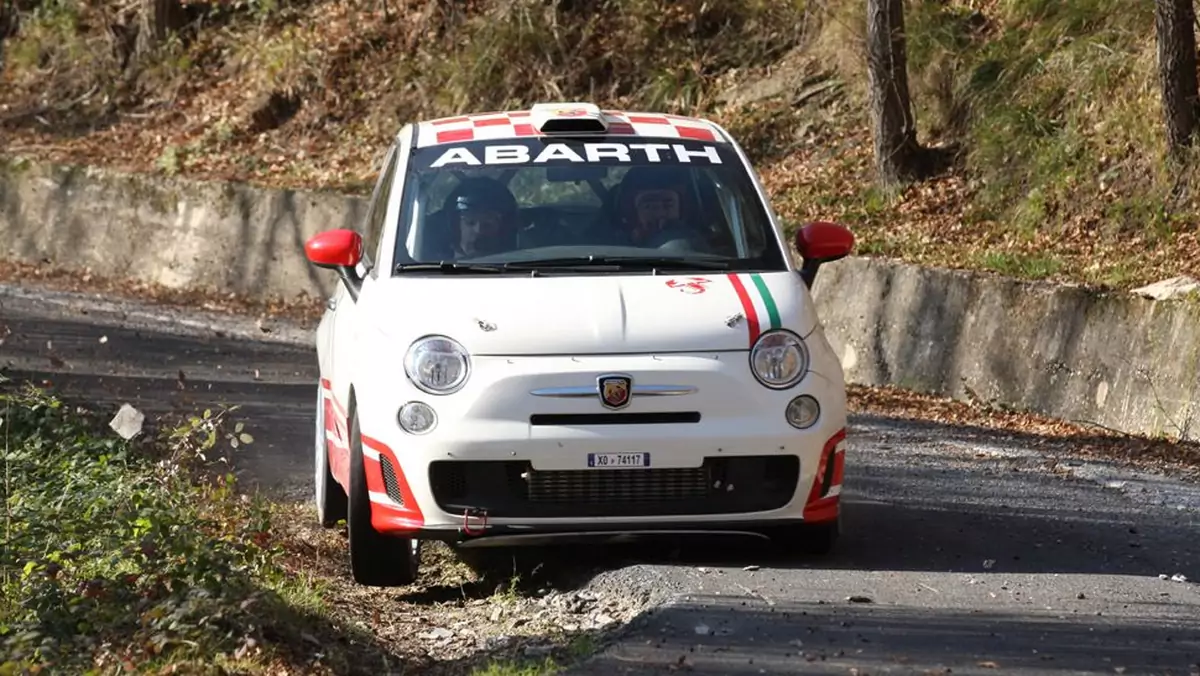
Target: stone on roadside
{"x": 1168, "y": 289}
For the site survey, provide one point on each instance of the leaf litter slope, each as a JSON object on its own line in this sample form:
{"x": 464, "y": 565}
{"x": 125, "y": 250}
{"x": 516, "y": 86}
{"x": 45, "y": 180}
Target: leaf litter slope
{"x": 1051, "y": 107}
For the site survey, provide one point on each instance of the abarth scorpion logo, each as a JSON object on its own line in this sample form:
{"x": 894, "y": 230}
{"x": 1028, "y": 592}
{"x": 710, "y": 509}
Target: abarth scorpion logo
{"x": 615, "y": 390}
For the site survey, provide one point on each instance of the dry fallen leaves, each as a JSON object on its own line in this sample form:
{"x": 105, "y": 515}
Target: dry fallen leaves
{"x": 341, "y": 64}
{"x": 1050, "y": 434}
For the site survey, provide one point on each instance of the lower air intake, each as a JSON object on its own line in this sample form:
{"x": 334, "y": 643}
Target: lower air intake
{"x": 513, "y": 489}
{"x": 390, "y": 484}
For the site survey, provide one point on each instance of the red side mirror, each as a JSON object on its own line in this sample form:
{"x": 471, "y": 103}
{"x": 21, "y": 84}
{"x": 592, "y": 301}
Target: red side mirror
{"x": 334, "y": 249}
{"x": 822, "y": 242}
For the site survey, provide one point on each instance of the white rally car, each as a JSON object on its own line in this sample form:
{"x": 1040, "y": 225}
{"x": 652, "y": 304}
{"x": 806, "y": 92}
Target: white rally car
{"x": 573, "y": 322}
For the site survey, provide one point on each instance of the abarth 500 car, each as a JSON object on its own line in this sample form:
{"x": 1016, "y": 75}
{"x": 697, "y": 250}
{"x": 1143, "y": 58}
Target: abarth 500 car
{"x": 568, "y": 321}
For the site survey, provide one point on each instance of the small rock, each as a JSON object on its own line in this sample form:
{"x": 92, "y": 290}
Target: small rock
{"x": 603, "y": 619}
{"x": 538, "y": 650}
{"x": 751, "y": 567}
{"x": 436, "y": 634}
{"x": 988, "y": 564}
{"x": 496, "y": 642}
{"x": 127, "y": 422}
{"x": 1080, "y": 596}
{"x": 496, "y": 613}
{"x": 860, "y": 599}
{"x": 1169, "y": 288}
{"x": 703, "y": 629}
{"x": 1163, "y": 576}
{"x": 103, "y": 339}
{"x": 1178, "y": 577}
{"x": 570, "y": 627}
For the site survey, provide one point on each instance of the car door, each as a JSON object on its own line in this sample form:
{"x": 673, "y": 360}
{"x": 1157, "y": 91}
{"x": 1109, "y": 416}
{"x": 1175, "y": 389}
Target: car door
{"x": 345, "y": 307}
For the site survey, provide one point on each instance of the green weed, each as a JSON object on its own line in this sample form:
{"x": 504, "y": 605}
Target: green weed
{"x": 118, "y": 553}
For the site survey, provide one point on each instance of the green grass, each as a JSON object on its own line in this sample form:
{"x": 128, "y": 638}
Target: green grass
{"x": 579, "y": 648}
{"x": 1055, "y": 103}
{"x": 122, "y": 552}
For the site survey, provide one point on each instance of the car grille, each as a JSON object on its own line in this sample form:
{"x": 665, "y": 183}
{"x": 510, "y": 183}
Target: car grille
{"x": 624, "y": 485}
{"x": 513, "y": 489}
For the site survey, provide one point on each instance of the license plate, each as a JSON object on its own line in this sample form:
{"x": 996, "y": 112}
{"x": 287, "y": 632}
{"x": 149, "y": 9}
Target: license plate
{"x": 607, "y": 460}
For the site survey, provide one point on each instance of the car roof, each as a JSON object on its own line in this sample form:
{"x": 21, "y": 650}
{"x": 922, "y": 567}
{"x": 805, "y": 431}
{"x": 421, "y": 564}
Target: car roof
{"x": 510, "y": 124}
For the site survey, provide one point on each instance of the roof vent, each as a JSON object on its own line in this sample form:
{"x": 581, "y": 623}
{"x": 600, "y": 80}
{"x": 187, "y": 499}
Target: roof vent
{"x": 568, "y": 118}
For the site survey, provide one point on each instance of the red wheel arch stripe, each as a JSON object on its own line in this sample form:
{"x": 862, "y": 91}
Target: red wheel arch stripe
{"x": 389, "y": 518}
{"x": 820, "y": 509}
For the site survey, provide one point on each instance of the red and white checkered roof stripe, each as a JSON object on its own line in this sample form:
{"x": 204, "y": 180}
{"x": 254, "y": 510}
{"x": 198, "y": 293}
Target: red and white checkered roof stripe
{"x": 516, "y": 124}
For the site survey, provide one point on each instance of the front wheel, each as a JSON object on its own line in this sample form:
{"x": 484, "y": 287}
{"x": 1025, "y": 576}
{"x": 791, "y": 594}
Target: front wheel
{"x": 376, "y": 560}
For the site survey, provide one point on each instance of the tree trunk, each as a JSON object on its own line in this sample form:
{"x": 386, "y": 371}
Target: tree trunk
{"x": 8, "y": 18}
{"x": 897, "y": 153}
{"x": 1174, "y": 22}
{"x": 159, "y": 19}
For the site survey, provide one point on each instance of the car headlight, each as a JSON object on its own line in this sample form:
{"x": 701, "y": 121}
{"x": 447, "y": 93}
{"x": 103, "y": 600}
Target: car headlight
{"x": 779, "y": 359}
{"x": 437, "y": 364}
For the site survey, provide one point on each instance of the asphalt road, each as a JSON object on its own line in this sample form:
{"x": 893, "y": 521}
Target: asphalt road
{"x": 964, "y": 552}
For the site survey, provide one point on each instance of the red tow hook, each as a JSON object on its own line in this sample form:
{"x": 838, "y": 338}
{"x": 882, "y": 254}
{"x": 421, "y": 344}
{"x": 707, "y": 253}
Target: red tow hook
{"x": 474, "y": 512}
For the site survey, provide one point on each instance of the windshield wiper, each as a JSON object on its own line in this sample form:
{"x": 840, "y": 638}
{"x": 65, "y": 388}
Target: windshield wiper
{"x": 450, "y": 267}
{"x": 627, "y": 262}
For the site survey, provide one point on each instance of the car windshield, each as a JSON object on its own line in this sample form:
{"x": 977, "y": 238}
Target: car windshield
{"x": 603, "y": 204}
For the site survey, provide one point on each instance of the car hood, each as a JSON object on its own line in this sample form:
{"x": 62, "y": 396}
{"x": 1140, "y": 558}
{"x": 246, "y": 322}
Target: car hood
{"x": 601, "y": 314}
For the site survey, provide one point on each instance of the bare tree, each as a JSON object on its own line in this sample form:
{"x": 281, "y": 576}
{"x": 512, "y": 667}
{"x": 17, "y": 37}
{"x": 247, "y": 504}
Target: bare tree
{"x": 8, "y": 22}
{"x": 1174, "y": 23}
{"x": 159, "y": 19}
{"x": 898, "y": 156}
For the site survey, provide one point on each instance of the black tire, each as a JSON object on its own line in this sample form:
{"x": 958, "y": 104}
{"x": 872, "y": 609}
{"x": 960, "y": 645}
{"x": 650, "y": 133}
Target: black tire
{"x": 328, "y": 493}
{"x": 376, "y": 560}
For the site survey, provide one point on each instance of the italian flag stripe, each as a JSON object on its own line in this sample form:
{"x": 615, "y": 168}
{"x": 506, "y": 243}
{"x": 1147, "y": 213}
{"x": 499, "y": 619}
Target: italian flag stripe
{"x": 747, "y": 306}
{"x": 768, "y": 301}
{"x": 762, "y": 314}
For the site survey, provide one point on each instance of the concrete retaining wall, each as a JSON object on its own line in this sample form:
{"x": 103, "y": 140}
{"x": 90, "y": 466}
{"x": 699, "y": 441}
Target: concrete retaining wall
{"x": 175, "y": 232}
{"x": 1117, "y": 360}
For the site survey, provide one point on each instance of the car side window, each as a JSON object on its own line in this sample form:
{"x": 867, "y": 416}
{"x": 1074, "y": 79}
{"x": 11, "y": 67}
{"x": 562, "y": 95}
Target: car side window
{"x": 378, "y": 209}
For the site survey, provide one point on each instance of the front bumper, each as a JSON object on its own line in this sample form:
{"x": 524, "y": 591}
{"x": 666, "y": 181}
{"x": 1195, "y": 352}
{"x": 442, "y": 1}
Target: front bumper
{"x": 503, "y": 460}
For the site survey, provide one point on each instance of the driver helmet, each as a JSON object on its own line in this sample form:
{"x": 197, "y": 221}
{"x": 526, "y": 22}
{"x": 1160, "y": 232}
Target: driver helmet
{"x": 486, "y": 215}
{"x": 654, "y": 199}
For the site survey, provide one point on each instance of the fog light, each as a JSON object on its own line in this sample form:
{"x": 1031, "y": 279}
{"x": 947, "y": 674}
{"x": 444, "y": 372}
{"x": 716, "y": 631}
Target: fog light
{"x": 802, "y": 411}
{"x": 416, "y": 417}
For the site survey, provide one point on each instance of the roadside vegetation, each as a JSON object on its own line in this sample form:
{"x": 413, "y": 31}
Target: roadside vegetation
{"x": 144, "y": 555}
{"x": 118, "y": 556}
{"x": 1046, "y": 115}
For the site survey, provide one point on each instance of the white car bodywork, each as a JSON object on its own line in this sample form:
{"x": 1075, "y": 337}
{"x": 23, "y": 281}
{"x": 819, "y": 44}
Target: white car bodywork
{"x": 537, "y": 346}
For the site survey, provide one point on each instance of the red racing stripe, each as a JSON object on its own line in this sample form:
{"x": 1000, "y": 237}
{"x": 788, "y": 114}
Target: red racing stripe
{"x": 747, "y": 306}
{"x": 698, "y": 133}
{"x": 647, "y": 119}
{"x": 451, "y": 135}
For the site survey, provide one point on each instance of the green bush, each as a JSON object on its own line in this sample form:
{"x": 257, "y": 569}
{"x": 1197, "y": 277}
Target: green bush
{"x": 113, "y": 551}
